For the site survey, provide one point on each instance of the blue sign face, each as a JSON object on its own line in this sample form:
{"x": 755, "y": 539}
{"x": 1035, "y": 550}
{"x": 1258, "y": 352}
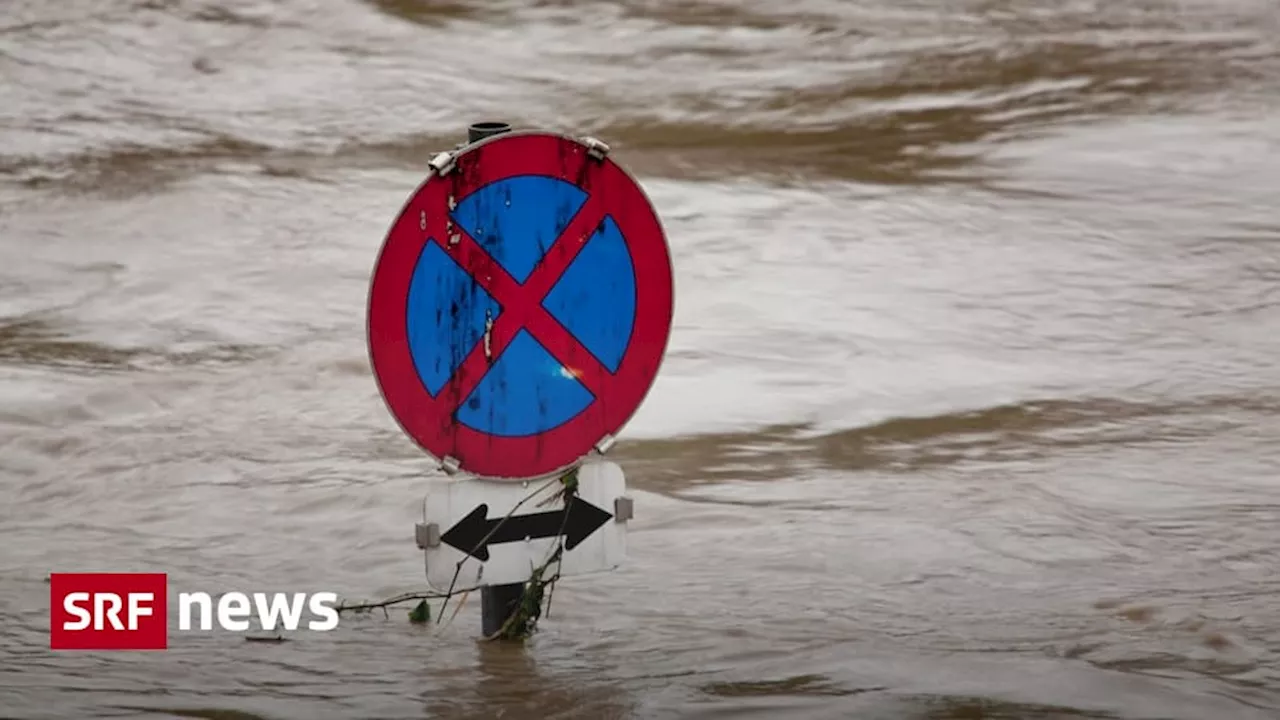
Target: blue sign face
{"x": 527, "y": 390}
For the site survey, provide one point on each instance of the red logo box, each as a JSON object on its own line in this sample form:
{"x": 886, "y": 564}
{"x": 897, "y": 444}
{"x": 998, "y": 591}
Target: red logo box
{"x": 108, "y": 611}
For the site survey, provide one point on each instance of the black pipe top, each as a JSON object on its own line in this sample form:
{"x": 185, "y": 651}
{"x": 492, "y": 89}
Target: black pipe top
{"x": 482, "y": 130}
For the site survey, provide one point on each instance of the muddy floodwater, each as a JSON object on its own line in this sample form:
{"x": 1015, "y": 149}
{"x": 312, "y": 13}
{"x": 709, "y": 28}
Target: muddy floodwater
{"x": 971, "y": 408}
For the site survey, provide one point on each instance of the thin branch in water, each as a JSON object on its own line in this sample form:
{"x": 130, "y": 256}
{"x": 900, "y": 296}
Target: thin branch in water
{"x": 457, "y": 570}
{"x": 384, "y": 604}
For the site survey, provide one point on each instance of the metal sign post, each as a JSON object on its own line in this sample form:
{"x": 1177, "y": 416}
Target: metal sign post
{"x": 518, "y": 314}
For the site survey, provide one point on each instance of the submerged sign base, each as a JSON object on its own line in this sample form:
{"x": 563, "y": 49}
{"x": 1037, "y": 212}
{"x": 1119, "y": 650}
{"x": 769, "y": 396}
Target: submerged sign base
{"x": 466, "y": 521}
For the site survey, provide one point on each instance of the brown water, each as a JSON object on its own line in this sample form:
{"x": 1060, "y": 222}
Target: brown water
{"x": 971, "y": 408}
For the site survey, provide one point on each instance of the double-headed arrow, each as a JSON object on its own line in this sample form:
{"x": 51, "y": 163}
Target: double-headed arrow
{"x": 471, "y": 533}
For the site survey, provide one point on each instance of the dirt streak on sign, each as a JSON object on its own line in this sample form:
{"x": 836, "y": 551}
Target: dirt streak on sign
{"x": 521, "y": 306}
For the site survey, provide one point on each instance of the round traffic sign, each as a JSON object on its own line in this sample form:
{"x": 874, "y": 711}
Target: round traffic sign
{"x": 521, "y": 306}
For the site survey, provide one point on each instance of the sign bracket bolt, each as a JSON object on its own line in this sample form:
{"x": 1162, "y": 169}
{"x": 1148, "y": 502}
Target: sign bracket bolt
{"x": 442, "y": 164}
{"x": 623, "y": 509}
{"x": 427, "y": 535}
{"x": 596, "y": 148}
{"x": 450, "y": 465}
{"x": 605, "y": 444}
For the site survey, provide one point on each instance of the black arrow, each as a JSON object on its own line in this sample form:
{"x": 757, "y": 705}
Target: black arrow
{"x": 471, "y": 533}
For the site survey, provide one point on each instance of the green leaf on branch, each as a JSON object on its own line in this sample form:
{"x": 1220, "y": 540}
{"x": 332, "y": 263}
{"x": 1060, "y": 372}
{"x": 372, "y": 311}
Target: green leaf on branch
{"x": 421, "y": 613}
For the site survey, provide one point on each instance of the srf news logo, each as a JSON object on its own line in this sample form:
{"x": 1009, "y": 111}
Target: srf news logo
{"x": 130, "y": 611}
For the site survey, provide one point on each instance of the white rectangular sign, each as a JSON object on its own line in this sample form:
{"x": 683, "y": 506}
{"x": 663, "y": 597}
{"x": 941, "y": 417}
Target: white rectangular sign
{"x": 466, "y": 521}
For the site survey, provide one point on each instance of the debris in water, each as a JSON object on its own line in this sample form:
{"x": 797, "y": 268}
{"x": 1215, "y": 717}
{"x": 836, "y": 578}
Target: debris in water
{"x": 421, "y": 613}
{"x": 265, "y": 638}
